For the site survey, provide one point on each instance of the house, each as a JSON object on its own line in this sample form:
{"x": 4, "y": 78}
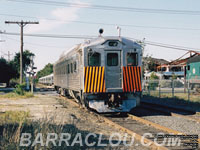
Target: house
{"x": 177, "y": 67}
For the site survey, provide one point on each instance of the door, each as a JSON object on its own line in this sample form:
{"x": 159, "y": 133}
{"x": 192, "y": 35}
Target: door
{"x": 113, "y": 69}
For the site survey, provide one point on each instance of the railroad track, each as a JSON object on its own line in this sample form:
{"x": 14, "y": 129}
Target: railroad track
{"x": 138, "y": 126}
{"x": 173, "y": 111}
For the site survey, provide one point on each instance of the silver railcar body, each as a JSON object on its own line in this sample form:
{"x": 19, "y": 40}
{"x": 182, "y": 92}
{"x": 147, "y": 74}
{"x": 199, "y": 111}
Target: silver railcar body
{"x": 104, "y": 74}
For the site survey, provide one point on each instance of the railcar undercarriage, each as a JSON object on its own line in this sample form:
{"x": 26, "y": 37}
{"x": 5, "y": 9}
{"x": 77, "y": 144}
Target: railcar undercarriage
{"x": 112, "y": 102}
{"x": 104, "y": 102}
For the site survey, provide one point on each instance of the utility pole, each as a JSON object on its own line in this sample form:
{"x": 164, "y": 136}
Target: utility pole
{"x": 2, "y": 52}
{"x": 9, "y": 54}
{"x": 22, "y": 24}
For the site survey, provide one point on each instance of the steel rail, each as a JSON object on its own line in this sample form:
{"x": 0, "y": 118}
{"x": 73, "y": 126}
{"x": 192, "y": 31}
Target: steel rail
{"x": 117, "y": 126}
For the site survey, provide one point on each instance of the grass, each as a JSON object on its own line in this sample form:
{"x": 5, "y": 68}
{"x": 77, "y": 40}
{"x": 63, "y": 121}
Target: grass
{"x": 14, "y": 117}
{"x": 193, "y": 97}
{"x": 179, "y": 99}
{"x": 13, "y": 124}
{"x": 13, "y": 95}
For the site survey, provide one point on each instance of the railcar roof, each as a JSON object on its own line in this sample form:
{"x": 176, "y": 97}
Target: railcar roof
{"x": 100, "y": 40}
{"x": 194, "y": 59}
{"x": 51, "y": 75}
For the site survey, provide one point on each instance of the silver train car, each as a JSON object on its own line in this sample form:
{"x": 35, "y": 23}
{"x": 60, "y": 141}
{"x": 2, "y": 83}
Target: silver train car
{"x": 47, "y": 80}
{"x": 103, "y": 74}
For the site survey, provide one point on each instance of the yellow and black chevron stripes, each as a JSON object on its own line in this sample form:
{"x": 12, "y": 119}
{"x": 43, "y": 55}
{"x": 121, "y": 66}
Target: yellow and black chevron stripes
{"x": 94, "y": 80}
{"x": 132, "y": 79}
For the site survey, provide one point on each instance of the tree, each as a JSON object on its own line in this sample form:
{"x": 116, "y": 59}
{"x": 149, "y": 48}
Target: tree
{"x": 149, "y": 63}
{"x": 7, "y": 71}
{"x": 26, "y": 61}
{"x": 47, "y": 70}
{"x": 153, "y": 76}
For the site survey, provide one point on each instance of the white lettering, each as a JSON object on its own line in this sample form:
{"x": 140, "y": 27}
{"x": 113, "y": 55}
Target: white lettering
{"x": 143, "y": 137}
{"x": 77, "y": 140}
{"x": 53, "y": 140}
{"x": 99, "y": 141}
{"x": 118, "y": 141}
{"x": 62, "y": 139}
{"x": 87, "y": 138}
{"x": 25, "y": 138}
{"x": 125, "y": 140}
{"x": 38, "y": 140}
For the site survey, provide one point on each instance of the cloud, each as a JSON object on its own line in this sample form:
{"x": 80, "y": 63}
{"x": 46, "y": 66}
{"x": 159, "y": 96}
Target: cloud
{"x": 60, "y": 16}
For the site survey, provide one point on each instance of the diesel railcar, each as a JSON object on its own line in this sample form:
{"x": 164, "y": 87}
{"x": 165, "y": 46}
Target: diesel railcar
{"x": 47, "y": 80}
{"x": 103, "y": 74}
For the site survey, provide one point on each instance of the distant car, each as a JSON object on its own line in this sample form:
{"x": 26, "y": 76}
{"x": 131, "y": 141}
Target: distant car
{"x": 47, "y": 80}
{"x": 3, "y": 85}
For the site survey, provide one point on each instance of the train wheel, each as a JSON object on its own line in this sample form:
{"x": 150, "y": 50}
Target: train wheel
{"x": 84, "y": 102}
{"x": 59, "y": 90}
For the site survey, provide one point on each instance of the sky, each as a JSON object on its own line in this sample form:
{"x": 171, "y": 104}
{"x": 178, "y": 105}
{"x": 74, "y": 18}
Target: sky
{"x": 68, "y": 20}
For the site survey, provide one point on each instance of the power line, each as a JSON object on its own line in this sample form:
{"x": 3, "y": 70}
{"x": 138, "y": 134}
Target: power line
{"x": 108, "y": 24}
{"x": 167, "y": 45}
{"x": 36, "y": 44}
{"x": 182, "y": 48}
{"x": 103, "y": 7}
{"x": 53, "y": 35}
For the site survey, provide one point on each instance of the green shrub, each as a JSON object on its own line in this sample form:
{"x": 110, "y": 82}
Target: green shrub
{"x": 20, "y": 89}
{"x": 174, "y": 77}
{"x": 154, "y": 83}
{"x": 153, "y": 76}
{"x": 178, "y": 84}
{"x": 165, "y": 84}
{"x": 14, "y": 82}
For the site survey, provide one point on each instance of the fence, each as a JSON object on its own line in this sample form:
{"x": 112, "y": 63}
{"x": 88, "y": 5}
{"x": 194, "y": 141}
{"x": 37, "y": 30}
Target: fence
{"x": 172, "y": 88}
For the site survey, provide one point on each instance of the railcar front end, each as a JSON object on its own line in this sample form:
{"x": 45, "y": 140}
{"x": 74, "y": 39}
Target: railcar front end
{"x": 112, "y": 75}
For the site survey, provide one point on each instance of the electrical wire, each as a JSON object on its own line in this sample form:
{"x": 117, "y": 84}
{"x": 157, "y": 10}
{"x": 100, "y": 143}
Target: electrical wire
{"x": 35, "y": 44}
{"x": 108, "y": 24}
{"x": 182, "y": 48}
{"x": 103, "y": 7}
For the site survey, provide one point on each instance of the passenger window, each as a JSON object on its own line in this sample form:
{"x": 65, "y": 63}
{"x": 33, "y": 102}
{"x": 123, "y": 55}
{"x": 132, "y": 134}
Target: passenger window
{"x": 71, "y": 68}
{"x": 75, "y": 67}
{"x": 68, "y": 70}
{"x": 132, "y": 59}
{"x": 112, "y": 59}
{"x": 94, "y": 59}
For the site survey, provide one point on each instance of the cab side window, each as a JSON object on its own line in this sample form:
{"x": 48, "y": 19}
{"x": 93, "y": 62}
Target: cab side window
{"x": 132, "y": 59}
{"x": 94, "y": 59}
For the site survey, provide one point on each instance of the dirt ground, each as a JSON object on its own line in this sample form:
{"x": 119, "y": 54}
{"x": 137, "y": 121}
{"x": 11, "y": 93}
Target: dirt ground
{"x": 49, "y": 106}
